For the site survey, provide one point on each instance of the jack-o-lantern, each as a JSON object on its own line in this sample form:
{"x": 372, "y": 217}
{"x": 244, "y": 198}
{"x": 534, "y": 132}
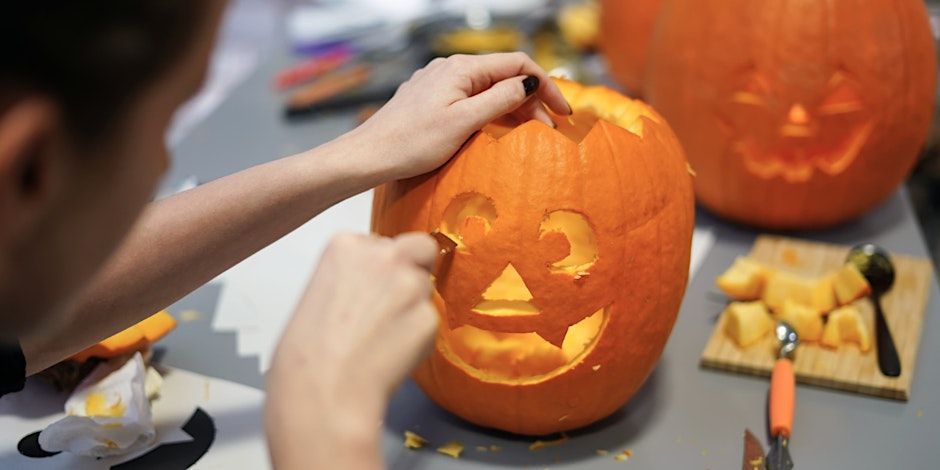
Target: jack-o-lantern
{"x": 795, "y": 114}
{"x": 572, "y": 252}
{"x": 626, "y": 30}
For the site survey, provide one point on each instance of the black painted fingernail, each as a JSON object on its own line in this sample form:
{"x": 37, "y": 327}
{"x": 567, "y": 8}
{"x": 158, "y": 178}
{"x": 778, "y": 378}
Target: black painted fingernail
{"x": 530, "y": 84}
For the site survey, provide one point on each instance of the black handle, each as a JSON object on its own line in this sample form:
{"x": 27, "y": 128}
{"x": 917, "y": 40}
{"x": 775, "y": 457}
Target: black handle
{"x": 888, "y": 360}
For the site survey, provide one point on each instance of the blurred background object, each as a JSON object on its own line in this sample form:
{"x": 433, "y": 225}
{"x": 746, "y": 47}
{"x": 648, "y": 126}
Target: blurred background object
{"x": 332, "y": 39}
{"x": 795, "y": 115}
{"x": 626, "y": 28}
{"x": 924, "y": 183}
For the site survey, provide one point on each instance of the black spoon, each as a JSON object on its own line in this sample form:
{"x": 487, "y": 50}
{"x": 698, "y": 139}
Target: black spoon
{"x": 875, "y": 264}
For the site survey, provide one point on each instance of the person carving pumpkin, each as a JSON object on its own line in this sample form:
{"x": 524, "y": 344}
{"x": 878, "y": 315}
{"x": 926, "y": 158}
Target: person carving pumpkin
{"x": 87, "y": 90}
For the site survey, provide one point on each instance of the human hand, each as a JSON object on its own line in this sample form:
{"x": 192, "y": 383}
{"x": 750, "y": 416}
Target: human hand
{"x": 364, "y": 322}
{"x": 436, "y": 111}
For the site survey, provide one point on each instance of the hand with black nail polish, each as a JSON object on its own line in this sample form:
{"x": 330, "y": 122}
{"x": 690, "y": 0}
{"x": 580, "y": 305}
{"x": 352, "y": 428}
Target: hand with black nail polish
{"x": 444, "y": 103}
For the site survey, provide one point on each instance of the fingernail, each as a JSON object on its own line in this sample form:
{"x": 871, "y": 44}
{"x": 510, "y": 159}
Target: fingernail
{"x": 530, "y": 84}
{"x": 570, "y": 111}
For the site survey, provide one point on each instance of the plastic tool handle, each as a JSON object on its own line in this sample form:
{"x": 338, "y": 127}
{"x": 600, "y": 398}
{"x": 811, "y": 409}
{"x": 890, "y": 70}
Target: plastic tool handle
{"x": 888, "y": 360}
{"x": 782, "y": 398}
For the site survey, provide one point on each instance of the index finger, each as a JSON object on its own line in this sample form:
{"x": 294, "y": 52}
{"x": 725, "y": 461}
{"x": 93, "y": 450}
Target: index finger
{"x": 486, "y": 70}
{"x": 418, "y": 247}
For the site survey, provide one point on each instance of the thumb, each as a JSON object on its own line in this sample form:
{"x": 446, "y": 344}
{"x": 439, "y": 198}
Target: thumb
{"x": 501, "y": 98}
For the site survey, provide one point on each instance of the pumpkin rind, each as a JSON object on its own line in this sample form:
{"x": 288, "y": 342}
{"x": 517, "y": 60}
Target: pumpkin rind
{"x": 633, "y": 189}
{"x": 795, "y": 114}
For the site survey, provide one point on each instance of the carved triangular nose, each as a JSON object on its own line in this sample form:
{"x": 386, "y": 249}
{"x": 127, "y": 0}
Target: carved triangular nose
{"x": 798, "y": 124}
{"x": 798, "y": 115}
{"x": 508, "y": 286}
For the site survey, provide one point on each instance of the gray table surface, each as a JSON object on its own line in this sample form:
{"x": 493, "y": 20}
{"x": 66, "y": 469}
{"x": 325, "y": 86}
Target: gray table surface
{"x": 683, "y": 417}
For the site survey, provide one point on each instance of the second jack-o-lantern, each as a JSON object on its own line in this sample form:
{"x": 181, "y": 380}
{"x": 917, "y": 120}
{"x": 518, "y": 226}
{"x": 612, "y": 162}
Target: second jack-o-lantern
{"x": 795, "y": 114}
{"x": 571, "y": 261}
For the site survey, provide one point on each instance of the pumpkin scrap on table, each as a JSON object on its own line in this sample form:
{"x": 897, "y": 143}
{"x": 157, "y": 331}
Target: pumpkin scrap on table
{"x": 540, "y": 444}
{"x": 802, "y": 302}
{"x": 451, "y": 449}
{"x": 67, "y": 374}
{"x": 571, "y": 259}
{"x": 135, "y": 338}
{"x": 794, "y": 114}
{"x": 414, "y": 441}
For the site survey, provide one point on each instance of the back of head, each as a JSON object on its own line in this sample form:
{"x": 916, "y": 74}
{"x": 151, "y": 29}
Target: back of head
{"x": 91, "y": 56}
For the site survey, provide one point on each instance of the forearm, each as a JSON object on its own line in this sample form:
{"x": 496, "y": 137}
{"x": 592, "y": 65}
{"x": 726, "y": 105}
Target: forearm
{"x": 186, "y": 240}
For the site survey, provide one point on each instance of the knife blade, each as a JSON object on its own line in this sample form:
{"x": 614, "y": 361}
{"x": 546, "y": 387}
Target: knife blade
{"x": 446, "y": 247}
{"x": 753, "y": 452}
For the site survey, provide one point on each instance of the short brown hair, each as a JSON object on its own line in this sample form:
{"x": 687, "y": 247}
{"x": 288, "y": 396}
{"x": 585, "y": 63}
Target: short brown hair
{"x": 91, "y": 56}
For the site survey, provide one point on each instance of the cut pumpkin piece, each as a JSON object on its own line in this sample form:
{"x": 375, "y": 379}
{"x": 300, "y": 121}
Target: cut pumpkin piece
{"x": 850, "y": 285}
{"x": 783, "y": 286}
{"x": 744, "y": 280}
{"x": 747, "y": 322}
{"x": 158, "y": 325}
{"x": 824, "y": 294}
{"x": 846, "y": 325}
{"x": 806, "y": 320}
{"x": 135, "y": 338}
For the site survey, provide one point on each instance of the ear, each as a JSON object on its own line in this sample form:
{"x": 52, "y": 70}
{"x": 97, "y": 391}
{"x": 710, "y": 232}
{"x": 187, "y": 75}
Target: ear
{"x": 28, "y": 164}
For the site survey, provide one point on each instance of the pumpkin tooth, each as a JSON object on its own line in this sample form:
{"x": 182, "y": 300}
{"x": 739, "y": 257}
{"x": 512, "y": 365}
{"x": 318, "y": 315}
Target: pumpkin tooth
{"x": 555, "y": 336}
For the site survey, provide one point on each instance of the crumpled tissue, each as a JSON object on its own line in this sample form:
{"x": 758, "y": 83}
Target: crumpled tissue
{"x": 108, "y": 414}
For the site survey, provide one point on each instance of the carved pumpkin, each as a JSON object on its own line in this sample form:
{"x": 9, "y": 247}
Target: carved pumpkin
{"x": 795, "y": 114}
{"x": 571, "y": 261}
{"x": 626, "y": 31}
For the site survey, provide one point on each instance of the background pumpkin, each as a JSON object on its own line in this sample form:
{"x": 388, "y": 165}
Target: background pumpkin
{"x": 572, "y": 258}
{"x": 795, "y": 114}
{"x": 626, "y": 30}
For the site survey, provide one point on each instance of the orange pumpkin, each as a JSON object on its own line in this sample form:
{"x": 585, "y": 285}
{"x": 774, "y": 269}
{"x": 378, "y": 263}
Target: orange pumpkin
{"x": 795, "y": 114}
{"x": 571, "y": 261}
{"x": 626, "y": 30}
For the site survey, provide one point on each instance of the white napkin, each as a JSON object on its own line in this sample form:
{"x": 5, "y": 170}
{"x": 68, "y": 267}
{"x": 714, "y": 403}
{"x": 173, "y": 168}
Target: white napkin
{"x": 107, "y": 415}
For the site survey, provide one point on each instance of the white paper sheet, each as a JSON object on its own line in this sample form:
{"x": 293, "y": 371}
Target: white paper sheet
{"x": 259, "y": 294}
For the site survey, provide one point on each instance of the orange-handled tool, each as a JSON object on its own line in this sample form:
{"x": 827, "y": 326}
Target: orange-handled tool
{"x": 782, "y": 399}
{"x": 782, "y": 396}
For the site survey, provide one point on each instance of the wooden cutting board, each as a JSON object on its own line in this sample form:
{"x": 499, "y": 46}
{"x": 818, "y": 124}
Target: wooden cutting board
{"x": 845, "y": 368}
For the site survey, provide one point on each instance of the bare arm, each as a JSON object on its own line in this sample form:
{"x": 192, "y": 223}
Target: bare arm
{"x": 186, "y": 240}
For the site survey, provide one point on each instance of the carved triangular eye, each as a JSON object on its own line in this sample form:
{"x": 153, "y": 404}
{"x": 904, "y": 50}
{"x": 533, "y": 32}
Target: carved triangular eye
{"x": 755, "y": 90}
{"x": 843, "y": 96}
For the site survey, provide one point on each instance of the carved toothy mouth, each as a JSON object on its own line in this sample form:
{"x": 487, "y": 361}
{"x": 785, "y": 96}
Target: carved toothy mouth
{"x": 796, "y": 161}
{"x": 794, "y": 142}
{"x": 520, "y": 357}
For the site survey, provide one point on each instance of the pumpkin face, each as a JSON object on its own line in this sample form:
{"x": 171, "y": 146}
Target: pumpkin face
{"x": 795, "y": 114}
{"x": 626, "y": 28}
{"x": 571, "y": 260}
